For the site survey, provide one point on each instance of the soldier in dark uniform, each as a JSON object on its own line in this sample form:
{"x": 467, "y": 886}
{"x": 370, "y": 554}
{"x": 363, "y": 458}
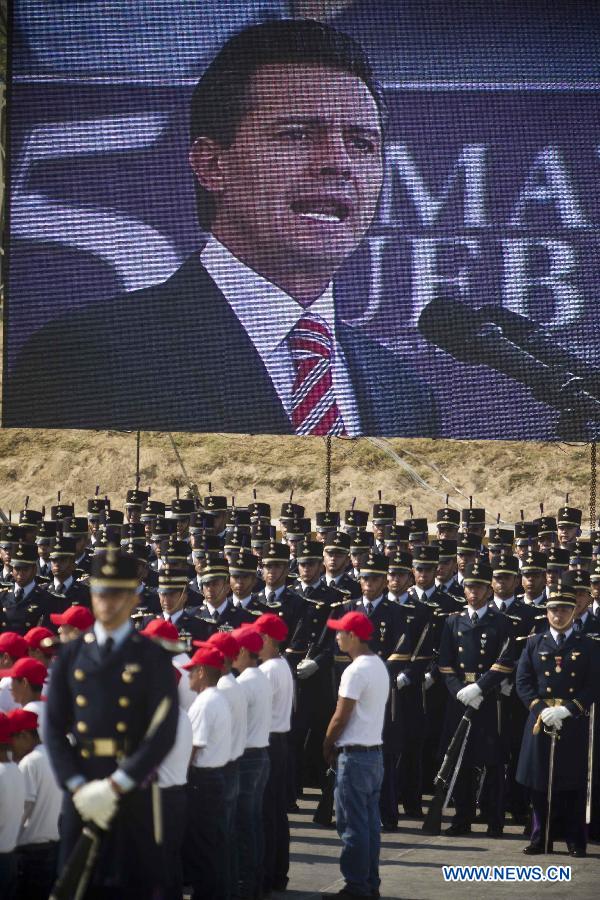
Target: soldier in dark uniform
{"x": 579, "y": 581}
{"x": 46, "y": 536}
{"x": 425, "y": 592}
{"x": 500, "y": 540}
{"x": 289, "y": 512}
{"x": 582, "y": 556}
{"x": 384, "y": 514}
{"x": 533, "y": 582}
{"x": 96, "y": 510}
{"x": 209, "y": 543}
{"x": 150, "y": 511}
{"x": 557, "y": 563}
{"x": 526, "y": 539}
{"x": 8, "y": 537}
{"x": 355, "y": 521}
{"x": 547, "y": 533}
{"x": 29, "y": 522}
{"x": 218, "y": 611}
{"x": 135, "y": 501}
{"x": 467, "y": 551}
{"x": 242, "y": 583}
{"x": 65, "y": 587}
{"x": 148, "y": 601}
{"x": 505, "y": 576}
{"x": 473, "y": 522}
{"x": 410, "y": 681}
{"x": 182, "y": 508}
{"x": 215, "y": 509}
{"x": 26, "y": 604}
{"x": 176, "y": 605}
{"x": 418, "y": 532}
{"x": 111, "y": 719}
{"x": 445, "y": 574}
{"x": 477, "y": 653}
{"x": 76, "y": 528}
{"x": 447, "y": 522}
{"x": 568, "y": 523}
{"x": 326, "y": 524}
{"x": 277, "y": 597}
{"x": 360, "y": 545}
{"x": 297, "y": 531}
{"x": 336, "y": 553}
{"x": 259, "y": 512}
{"x": 310, "y": 655}
{"x": 557, "y": 681}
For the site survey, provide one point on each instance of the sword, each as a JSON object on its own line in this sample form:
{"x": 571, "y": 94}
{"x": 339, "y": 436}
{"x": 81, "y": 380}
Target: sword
{"x": 588, "y": 792}
{"x": 553, "y": 739}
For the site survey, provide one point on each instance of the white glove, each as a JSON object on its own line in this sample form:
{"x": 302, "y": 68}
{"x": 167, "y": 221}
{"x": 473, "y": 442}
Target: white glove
{"x": 306, "y": 668}
{"x": 96, "y": 802}
{"x": 553, "y": 716}
{"x": 506, "y": 687}
{"x": 402, "y": 680}
{"x": 471, "y": 695}
{"x": 429, "y": 680}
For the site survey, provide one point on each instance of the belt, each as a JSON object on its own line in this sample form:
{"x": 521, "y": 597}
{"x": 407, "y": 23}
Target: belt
{"x": 253, "y": 751}
{"x": 278, "y": 735}
{"x": 173, "y": 789}
{"x": 471, "y": 677}
{"x": 102, "y": 747}
{"x": 358, "y": 748}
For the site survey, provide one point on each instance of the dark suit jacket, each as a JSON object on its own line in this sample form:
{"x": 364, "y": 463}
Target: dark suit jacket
{"x": 174, "y": 357}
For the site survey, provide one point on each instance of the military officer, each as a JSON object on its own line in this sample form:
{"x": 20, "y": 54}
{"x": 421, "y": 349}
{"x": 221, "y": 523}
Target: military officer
{"x": 547, "y": 533}
{"x": 557, "y": 681}
{"x": 500, "y": 540}
{"x": 26, "y": 604}
{"x": 447, "y": 523}
{"x": 277, "y": 596}
{"x": 579, "y": 582}
{"x": 218, "y": 612}
{"x": 557, "y": 563}
{"x": 111, "y": 719}
{"x": 476, "y": 654}
{"x": 467, "y": 551}
{"x": 176, "y": 606}
{"x": 243, "y": 584}
{"x": 526, "y": 539}
{"x": 568, "y": 523}
{"x": 65, "y": 587}
{"x": 76, "y": 528}
{"x": 360, "y": 544}
{"x": 46, "y": 535}
{"x": 326, "y": 524}
{"x": 310, "y": 655}
{"x": 418, "y": 532}
{"x": 445, "y": 576}
{"x": 135, "y": 501}
{"x": 355, "y": 520}
{"x": 582, "y": 555}
{"x": 336, "y": 553}
{"x": 289, "y": 512}
{"x": 383, "y": 514}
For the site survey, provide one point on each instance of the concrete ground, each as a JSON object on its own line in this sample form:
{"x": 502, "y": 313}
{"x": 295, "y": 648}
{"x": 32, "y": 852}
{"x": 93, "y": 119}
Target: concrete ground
{"x": 411, "y": 863}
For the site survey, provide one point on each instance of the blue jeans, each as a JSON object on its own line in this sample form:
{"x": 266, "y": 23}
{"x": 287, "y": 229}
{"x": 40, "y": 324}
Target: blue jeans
{"x": 358, "y": 784}
{"x": 253, "y": 772}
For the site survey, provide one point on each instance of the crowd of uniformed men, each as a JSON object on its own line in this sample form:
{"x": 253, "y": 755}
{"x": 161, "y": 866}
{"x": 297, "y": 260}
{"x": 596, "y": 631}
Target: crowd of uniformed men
{"x": 182, "y": 706}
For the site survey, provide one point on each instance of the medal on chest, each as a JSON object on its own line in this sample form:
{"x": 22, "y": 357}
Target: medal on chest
{"x": 558, "y": 661}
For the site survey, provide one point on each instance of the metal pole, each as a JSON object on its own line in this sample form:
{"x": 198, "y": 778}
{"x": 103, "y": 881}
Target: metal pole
{"x": 328, "y": 473}
{"x": 137, "y": 461}
{"x": 593, "y": 483}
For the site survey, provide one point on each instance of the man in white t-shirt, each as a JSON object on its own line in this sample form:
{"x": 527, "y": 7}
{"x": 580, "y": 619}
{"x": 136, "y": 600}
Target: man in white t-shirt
{"x": 275, "y": 820}
{"x": 254, "y": 764}
{"x": 204, "y": 849}
{"x": 12, "y": 803}
{"x": 29, "y": 677}
{"x": 37, "y": 844}
{"x": 238, "y": 707}
{"x": 12, "y": 647}
{"x": 172, "y": 772}
{"x": 354, "y": 736}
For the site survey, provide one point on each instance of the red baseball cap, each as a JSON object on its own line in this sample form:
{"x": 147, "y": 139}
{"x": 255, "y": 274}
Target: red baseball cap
{"x": 14, "y": 644}
{"x": 27, "y": 667}
{"x": 273, "y": 626}
{"x": 40, "y": 638}
{"x": 5, "y": 731}
{"x": 206, "y": 655}
{"x": 22, "y": 720}
{"x": 76, "y": 616}
{"x": 356, "y": 622}
{"x": 160, "y": 628}
{"x": 224, "y": 641}
{"x": 249, "y": 637}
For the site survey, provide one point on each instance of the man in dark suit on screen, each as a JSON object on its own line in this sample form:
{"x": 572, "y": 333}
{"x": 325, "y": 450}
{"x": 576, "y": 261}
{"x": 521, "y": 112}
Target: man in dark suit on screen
{"x": 287, "y": 127}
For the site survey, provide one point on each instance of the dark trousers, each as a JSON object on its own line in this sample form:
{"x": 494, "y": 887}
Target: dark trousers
{"x": 275, "y": 820}
{"x": 389, "y": 797}
{"x": 8, "y": 875}
{"x": 204, "y": 855}
{"x": 232, "y": 787}
{"x": 174, "y": 812}
{"x": 568, "y": 807}
{"x": 465, "y": 795}
{"x": 249, "y": 841}
{"x": 36, "y": 867}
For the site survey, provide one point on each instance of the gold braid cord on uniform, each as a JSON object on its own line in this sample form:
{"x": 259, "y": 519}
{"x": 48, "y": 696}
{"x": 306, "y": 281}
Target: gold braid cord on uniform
{"x": 538, "y": 722}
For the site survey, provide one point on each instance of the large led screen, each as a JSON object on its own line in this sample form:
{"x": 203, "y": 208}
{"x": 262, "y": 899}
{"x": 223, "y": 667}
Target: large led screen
{"x": 223, "y": 217}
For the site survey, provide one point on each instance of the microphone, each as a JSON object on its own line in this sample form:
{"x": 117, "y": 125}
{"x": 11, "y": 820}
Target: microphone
{"x": 473, "y": 337}
{"x": 536, "y": 340}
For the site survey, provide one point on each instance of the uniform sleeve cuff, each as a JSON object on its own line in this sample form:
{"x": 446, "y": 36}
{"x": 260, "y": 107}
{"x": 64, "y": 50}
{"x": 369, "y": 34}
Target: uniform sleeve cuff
{"x": 122, "y": 779}
{"x": 74, "y": 782}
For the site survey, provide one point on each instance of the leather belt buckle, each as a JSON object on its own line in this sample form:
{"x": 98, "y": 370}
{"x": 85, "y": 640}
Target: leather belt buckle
{"x": 470, "y": 677}
{"x": 104, "y": 747}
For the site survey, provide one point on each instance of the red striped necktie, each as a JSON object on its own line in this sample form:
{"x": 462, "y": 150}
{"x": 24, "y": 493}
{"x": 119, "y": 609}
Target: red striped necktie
{"x": 314, "y": 407}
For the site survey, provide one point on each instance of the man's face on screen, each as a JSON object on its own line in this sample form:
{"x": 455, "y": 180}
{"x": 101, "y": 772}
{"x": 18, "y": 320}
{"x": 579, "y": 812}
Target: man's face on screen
{"x": 300, "y": 183}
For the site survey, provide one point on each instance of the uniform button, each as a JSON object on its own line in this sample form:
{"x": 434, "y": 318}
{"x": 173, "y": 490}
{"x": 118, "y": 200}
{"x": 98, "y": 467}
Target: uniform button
{"x": 462, "y": 665}
{"x": 482, "y": 652}
{"x": 121, "y": 727}
{"x": 480, "y": 666}
{"x": 460, "y": 649}
{"x": 85, "y": 753}
{"x": 548, "y": 690}
{"x": 572, "y": 674}
{"x": 571, "y": 690}
{"x": 81, "y": 727}
{"x": 124, "y": 701}
{"x": 546, "y": 674}
{"x": 79, "y": 674}
{"x": 80, "y": 700}
{"x": 127, "y": 677}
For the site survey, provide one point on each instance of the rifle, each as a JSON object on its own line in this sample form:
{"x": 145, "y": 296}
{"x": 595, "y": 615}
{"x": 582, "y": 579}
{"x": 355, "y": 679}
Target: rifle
{"x": 445, "y": 779}
{"x": 588, "y": 792}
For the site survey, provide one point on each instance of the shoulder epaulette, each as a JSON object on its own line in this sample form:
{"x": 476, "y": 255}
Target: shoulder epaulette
{"x": 339, "y": 603}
